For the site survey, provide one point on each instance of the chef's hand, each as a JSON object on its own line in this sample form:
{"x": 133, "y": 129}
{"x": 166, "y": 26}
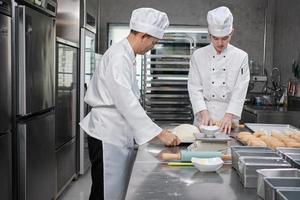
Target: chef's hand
{"x": 204, "y": 118}
{"x": 168, "y": 138}
{"x": 226, "y": 123}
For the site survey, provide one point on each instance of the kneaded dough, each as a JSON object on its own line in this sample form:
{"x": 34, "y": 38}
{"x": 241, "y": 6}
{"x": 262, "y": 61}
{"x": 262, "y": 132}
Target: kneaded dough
{"x": 185, "y": 132}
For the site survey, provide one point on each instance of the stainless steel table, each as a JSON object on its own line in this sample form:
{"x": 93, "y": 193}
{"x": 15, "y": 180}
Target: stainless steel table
{"x": 153, "y": 179}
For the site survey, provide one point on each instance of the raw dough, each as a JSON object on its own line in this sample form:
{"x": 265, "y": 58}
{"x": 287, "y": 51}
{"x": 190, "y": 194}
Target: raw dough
{"x": 186, "y": 132}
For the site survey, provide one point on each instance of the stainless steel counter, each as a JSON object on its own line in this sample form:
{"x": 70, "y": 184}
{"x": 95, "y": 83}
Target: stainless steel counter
{"x": 270, "y": 114}
{"x": 153, "y": 179}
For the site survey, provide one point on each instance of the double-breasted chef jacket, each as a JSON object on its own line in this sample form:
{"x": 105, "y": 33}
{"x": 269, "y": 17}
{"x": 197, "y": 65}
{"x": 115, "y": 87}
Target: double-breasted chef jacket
{"x": 218, "y": 83}
{"x": 116, "y": 116}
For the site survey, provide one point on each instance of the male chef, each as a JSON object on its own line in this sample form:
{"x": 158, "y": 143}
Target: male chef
{"x": 117, "y": 118}
{"x": 219, "y": 75}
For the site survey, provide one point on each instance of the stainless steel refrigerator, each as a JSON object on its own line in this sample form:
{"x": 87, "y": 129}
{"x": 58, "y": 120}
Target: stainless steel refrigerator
{"x": 66, "y": 111}
{"x": 87, "y": 68}
{"x": 35, "y": 55}
{"x": 5, "y": 100}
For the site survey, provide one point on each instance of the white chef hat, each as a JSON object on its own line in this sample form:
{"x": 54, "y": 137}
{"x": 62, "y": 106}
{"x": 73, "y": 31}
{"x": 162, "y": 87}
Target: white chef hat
{"x": 150, "y": 21}
{"x": 220, "y": 21}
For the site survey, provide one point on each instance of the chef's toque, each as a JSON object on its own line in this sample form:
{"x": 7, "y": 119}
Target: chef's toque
{"x": 220, "y": 21}
{"x": 150, "y": 21}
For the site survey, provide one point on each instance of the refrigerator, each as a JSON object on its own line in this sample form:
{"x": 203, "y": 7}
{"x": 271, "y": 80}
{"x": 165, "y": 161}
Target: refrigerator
{"x": 35, "y": 77}
{"x": 66, "y": 112}
{"x": 5, "y": 101}
{"x": 87, "y": 68}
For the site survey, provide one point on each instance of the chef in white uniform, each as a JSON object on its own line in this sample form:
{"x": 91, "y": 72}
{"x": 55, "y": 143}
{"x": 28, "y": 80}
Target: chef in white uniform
{"x": 219, "y": 75}
{"x": 116, "y": 117}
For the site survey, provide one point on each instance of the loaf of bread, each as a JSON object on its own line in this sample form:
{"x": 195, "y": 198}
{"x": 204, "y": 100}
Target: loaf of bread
{"x": 293, "y": 144}
{"x": 277, "y": 139}
{"x": 241, "y": 135}
{"x": 257, "y": 143}
{"x": 259, "y": 133}
{"x": 295, "y": 136}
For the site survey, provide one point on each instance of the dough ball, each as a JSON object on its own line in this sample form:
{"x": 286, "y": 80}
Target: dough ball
{"x": 185, "y": 132}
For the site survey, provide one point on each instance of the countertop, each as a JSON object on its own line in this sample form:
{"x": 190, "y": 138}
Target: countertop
{"x": 153, "y": 179}
{"x": 266, "y": 109}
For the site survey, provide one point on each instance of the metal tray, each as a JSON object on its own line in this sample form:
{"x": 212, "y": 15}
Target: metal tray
{"x": 235, "y": 149}
{"x": 219, "y": 137}
{"x": 291, "y": 157}
{"x": 282, "y": 151}
{"x": 262, "y": 173}
{"x": 248, "y": 166}
{"x": 273, "y": 184}
{"x": 295, "y": 163}
{"x": 251, "y": 154}
{"x": 269, "y": 127}
{"x": 288, "y": 194}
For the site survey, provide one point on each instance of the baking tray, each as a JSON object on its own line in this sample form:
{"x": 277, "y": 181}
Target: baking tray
{"x": 269, "y": 127}
{"x": 282, "y": 151}
{"x": 291, "y": 157}
{"x": 295, "y": 163}
{"x": 273, "y": 184}
{"x": 288, "y": 194}
{"x": 235, "y": 149}
{"x": 251, "y": 154}
{"x": 266, "y": 173}
{"x": 219, "y": 137}
{"x": 208, "y": 146}
{"x": 248, "y": 166}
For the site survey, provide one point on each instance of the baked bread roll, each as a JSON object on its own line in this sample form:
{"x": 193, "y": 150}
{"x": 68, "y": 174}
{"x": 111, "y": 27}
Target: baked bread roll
{"x": 293, "y": 144}
{"x": 295, "y": 136}
{"x": 257, "y": 143}
{"x": 259, "y": 133}
{"x": 241, "y": 135}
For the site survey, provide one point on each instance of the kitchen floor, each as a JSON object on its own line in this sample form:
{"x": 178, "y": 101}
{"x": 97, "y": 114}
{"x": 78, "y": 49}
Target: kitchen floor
{"x": 79, "y": 189}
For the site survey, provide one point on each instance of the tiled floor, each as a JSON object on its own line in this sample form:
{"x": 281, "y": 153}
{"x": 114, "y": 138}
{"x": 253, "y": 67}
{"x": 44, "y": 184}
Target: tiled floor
{"x": 79, "y": 189}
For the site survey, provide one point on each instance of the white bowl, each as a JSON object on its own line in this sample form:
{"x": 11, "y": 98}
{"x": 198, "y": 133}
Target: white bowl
{"x": 207, "y": 164}
{"x": 209, "y": 131}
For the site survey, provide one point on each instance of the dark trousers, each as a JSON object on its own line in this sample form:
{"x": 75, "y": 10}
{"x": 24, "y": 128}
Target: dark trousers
{"x": 96, "y": 158}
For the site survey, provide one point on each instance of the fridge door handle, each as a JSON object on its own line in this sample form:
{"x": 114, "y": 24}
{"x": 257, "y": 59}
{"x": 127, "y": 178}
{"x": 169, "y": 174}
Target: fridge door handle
{"x": 22, "y": 149}
{"x": 21, "y": 58}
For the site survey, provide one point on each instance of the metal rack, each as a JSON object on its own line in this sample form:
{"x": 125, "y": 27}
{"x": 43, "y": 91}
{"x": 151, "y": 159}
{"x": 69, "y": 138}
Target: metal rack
{"x": 164, "y": 80}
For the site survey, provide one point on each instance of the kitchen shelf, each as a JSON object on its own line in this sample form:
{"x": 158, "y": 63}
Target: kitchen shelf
{"x": 164, "y": 80}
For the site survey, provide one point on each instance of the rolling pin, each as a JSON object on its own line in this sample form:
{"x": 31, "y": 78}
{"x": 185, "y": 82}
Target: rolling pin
{"x": 187, "y": 155}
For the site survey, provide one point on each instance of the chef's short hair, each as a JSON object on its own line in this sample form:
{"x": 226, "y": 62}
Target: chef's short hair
{"x": 134, "y": 32}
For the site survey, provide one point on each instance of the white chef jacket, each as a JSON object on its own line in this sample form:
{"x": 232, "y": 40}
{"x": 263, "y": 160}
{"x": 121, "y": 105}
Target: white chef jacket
{"x": 218, "y": 83}
{"x": 116, "y": 116}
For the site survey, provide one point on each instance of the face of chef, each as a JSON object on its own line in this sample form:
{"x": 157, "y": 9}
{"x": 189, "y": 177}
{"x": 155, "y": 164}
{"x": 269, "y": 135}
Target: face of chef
{"x": 147, "y": 43}
{"x": 220, "y": 43}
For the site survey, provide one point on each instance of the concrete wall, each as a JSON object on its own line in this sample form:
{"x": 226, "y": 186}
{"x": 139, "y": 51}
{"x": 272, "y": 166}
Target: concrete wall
{"x": 248, "y": 15}
{"x": 286, "y": 36}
